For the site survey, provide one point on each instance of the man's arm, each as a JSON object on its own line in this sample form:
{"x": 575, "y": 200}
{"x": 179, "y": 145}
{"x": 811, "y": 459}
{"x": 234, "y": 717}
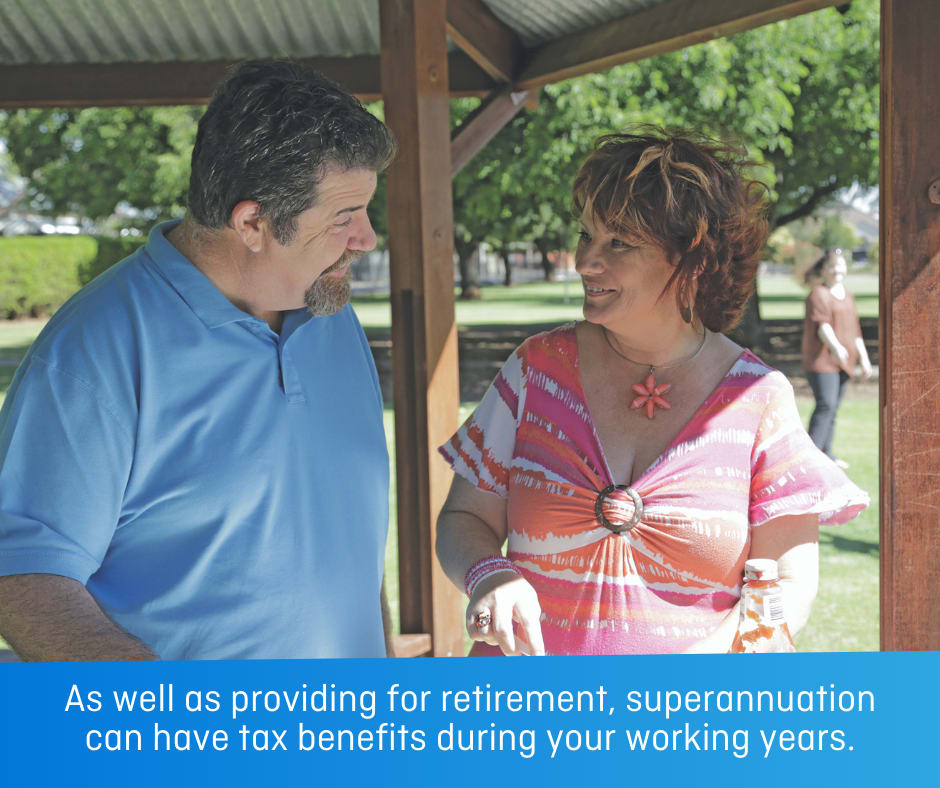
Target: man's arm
{"x": 54, "y": 618}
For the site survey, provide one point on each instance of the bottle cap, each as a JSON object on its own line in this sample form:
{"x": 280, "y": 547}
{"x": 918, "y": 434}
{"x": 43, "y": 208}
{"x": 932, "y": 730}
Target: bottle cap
{"x": 760, "y": 569}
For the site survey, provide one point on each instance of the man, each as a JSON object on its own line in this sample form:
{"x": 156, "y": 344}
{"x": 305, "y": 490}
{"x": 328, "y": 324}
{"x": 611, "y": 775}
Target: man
{"x": 192, "y": 456}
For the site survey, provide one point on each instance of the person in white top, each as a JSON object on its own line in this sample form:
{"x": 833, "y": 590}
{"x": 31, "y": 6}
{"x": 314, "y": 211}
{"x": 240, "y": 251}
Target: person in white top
{"x": 832, "y": 344}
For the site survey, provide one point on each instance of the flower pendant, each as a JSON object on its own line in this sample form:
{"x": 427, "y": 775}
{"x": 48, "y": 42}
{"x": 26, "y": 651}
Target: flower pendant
{"x": 650, "y": 396}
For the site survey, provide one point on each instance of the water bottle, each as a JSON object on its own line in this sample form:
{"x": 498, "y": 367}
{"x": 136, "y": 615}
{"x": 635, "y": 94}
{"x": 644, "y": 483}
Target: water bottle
{"x": 763, "y": 626}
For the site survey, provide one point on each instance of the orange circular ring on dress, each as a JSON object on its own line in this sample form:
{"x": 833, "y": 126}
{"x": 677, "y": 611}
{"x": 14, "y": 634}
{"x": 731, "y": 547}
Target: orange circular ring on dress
{"x": 637, "y": 508}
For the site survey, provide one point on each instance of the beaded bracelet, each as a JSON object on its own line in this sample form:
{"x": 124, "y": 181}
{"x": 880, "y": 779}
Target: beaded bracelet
{"x": 483, "y": 568}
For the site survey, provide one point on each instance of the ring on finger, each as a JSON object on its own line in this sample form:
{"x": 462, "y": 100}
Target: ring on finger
{"x": 482, "y": 619}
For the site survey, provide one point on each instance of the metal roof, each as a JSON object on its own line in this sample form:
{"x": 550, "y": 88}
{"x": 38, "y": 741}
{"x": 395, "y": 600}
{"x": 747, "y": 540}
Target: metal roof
{"x": 115, "y": 31}
{"x": 118, "y": 52}
{"x": 539, "y": 21}
{"x": 120, "y": 31}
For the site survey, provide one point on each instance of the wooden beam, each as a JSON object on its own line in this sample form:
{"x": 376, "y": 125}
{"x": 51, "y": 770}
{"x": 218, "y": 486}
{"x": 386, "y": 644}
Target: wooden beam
{"x": 489, "y": 42}
{"x": 481, "y": 125}
{"x": 910, "y": 325}
{"x": 150, "y": 84}
{"x": 424, "y": 334}
{"x": 664, "y": 28}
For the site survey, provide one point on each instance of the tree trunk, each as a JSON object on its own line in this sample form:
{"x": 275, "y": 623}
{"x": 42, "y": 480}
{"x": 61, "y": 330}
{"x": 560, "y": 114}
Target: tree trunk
{"x": 548, "y": 266}
{"x": 507, "y": 268}
{"x": 469, "y": 269}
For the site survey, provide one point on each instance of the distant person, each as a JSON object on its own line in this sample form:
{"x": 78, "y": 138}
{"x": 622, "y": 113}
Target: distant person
{"x": 192, "y": 456}
{"x": 832, "y": 344}
{"x": 632, "y": 462}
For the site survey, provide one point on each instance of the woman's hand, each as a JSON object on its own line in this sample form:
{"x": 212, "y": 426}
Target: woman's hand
{"x": 504, "y": 597}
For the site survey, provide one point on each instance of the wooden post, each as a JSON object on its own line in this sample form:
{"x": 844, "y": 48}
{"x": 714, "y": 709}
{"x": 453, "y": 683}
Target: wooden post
{"x": 424, "y": 334}
{"x": 910, "y": 324}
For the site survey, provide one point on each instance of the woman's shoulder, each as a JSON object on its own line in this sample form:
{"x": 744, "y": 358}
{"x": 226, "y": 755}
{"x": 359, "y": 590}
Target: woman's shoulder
{"x": 754, "y": 371}
{"x": 819, "y": 292}
{"x": 549, "y": 340}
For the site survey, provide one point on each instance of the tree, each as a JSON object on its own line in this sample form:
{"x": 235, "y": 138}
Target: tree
{"x": 88, "y": 161}
{"x": 833, "y": 233}
{"x": 800, "y": 95}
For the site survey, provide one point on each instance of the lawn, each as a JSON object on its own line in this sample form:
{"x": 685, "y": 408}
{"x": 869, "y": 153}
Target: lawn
{"x": 845, "y": 617}
{"x": 547, "y": 302}
{"x": 782, "y": 298}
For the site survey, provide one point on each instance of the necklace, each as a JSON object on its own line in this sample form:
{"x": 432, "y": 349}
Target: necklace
{"x": 650, "y": 395}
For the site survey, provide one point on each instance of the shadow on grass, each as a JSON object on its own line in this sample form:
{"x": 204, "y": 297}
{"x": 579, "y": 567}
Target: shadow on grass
{"x": 14, "y": 353}
{"x": 845, "y": 544}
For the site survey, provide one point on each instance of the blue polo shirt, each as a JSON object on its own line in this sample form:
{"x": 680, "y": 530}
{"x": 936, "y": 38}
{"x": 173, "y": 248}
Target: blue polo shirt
{"x": 221, "y": 489}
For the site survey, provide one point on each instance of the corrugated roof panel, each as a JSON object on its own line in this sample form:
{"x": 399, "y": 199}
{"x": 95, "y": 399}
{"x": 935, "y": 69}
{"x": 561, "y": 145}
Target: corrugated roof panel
{"x": 538, "y": 21}
{"x": 113, "y": 31}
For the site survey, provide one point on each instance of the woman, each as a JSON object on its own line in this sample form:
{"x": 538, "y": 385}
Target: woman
{"x": 832, "y": 344}
{"x": 635, "y": 460}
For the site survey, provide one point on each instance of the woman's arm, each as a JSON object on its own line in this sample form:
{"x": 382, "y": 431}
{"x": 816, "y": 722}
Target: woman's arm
{"x": 793, "y": 542}
{"x": 863, "y": 357}
{"x": 472, "y": 526}
{"x": 828, "y": 337}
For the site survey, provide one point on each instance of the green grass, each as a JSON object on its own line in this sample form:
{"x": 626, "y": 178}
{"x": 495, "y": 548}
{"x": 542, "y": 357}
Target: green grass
{"x": 845, "y": 616}
{"x": 544, "y": 302}
{"x": 535, "y": 302}
{"x": 781, "y": 298}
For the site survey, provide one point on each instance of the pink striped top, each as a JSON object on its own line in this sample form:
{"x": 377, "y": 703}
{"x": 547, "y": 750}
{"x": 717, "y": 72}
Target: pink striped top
{"x": 743, "y": 459}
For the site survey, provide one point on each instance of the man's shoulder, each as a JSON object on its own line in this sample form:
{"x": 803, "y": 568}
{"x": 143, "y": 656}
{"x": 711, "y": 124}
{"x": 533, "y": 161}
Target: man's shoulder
{"x": 99, "y": 317}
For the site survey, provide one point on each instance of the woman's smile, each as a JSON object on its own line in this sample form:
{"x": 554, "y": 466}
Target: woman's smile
{"x": 595, "y": 291}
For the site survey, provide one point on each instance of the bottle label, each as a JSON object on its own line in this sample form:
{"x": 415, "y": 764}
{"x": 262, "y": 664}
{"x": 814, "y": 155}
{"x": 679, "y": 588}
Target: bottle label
{"x": 773, "y": 608}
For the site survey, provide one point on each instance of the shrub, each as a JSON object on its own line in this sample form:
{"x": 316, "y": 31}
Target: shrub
{"x": 110, "y": 251}
{"x": 39, "y": 273}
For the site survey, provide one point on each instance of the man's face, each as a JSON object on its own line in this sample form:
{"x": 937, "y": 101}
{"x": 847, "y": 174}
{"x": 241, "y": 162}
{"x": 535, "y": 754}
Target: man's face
{"x": 314, "y": 268}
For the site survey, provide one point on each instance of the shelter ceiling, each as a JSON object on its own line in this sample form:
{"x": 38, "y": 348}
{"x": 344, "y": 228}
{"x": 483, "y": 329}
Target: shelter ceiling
{"x": 107, "y": 52}
{"x": 115, "y": 31}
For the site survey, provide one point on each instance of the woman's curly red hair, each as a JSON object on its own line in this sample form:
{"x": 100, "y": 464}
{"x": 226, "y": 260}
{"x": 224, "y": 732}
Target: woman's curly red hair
{"x": 688, "y": 195}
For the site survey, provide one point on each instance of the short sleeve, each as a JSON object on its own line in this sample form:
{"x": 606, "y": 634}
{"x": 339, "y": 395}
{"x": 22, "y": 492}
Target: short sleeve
{"x": 818, "y": 309}
{"x": 65, "y": 459}
{"x": 481, "y": 450}
{"x": 789, "y": 475}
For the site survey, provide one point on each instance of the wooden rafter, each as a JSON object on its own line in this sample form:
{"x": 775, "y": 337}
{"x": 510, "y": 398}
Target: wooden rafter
{"x": 491, "y": 44}
{"x": 663, "y": 28}
{"x": 126, "y": 84}
{"x": 480, "y": 126}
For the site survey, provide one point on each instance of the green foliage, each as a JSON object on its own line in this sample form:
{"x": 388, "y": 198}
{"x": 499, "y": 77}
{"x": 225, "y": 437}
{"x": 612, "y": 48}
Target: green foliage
{"x": 109, "y": 252}
{"x": 801, "y": 95}
{"x": 834, "y": 233}
{"x": 38, "y": 274}
{"x": 88, "y": 161}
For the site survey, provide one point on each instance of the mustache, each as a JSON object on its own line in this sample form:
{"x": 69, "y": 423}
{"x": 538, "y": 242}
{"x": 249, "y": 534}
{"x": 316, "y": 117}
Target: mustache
{"x": 350, "y": 256}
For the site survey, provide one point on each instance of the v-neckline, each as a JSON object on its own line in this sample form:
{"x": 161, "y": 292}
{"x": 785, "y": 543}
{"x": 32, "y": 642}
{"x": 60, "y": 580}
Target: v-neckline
{"x": 658, "y": 458}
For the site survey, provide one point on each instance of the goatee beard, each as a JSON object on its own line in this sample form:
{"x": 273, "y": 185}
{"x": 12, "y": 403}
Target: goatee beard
{"x": 328, "y": 295}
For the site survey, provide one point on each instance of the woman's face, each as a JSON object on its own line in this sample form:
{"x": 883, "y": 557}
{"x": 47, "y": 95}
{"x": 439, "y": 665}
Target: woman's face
{"x": 835, "y": 269}
{"x": 623, "y": 279}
